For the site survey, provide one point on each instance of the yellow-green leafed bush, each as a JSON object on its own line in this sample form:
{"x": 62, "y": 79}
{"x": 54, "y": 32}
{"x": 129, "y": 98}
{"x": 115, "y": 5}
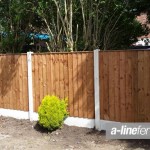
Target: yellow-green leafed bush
{"x": 52, "y": 112}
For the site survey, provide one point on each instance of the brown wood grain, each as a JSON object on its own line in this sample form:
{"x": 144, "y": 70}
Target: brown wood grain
{"x": 102, "y": 84}
{"x": 66, "y": 76}
{"x": 75, "y": 85}
{"x": 84, "y": 85}
{"x": 122, "y": 86}
{"x": 111, "y": 89}
{"x": 61, "y": 75}
{"x": 80, "y": 83}
{"x": 124, "y": 83}
{"x": 140, "y": 85}
{"x": 70, "y": 73}
{"x": 90, "y": 85}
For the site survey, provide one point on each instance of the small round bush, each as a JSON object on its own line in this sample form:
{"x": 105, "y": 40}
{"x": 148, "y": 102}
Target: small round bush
{"x": 52, "y": 112}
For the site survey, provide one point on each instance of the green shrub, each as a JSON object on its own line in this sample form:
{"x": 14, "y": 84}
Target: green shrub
{"x": 52, "y": 112}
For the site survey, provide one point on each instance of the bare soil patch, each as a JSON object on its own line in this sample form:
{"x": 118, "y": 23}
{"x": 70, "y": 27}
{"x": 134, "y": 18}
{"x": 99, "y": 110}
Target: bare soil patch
{"x": 26, "y": 135}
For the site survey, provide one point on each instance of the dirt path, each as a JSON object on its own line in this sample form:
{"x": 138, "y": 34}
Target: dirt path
{"x": 24, "y": 135}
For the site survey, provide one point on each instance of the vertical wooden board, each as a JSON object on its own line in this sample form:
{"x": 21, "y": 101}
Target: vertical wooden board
{"x": 61, "y": 76}
{"x": 148, "y": 92}
{"x": 134, "y": 83}
{"x": 146, "y": 79}
{"x": 5, "y": 102}
{"x": 66, "y": 76}
{"x": 57, "y": 75}
{"x": 129, "y": 94}
{"x": 41, "y": 78}
{"x": 101, "y": 84}
{"x": 117, "y": 83}
{"x": 148, "y": 87}
{"x": 16, "y": 77}
{"x": 48, "y": 73}
{"x": 20, "y": 84}
{"x": 8, "y": 81}
{"x": 90, "y": 85}
{"x": 33, "y": 80}
{"x": 70, "y": 73}
{"x": 44, "y": 68}
{"x": 1, "y": 102}
{"x": 111, "y": 87}
{"x": 75, "y": 86}
{"x": 18, "y": 87}
{"x": 122, "y": 86}
{"x": 84, "y": 85}
{"x": 105, "y": 86}
{"x": 13, "y": 101}
{"x": 2, "y": 80}
{"x": 80, "y": 84}
{"x": 52, "y": 73}
{"x": 37, "y": 81}
{"x": 140, "y": 85}
{"x": 25, "y": 83}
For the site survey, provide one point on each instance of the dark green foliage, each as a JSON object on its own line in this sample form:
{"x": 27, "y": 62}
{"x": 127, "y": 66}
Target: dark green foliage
{"x": 110, "y": 24}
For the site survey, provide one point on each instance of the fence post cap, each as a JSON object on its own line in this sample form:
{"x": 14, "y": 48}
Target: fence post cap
{"x": 96, "y": 49}
{"x": 29, "y": 52}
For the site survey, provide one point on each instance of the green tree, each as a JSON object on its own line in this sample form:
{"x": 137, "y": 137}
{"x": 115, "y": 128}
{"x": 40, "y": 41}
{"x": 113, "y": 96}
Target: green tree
{"x": 89, "y": 24}
{"x": 72, "y": 24}
{"x": 15, "y": 19}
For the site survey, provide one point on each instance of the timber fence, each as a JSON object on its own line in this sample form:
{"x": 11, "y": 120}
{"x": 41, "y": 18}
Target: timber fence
{"x": 106, "y": 85}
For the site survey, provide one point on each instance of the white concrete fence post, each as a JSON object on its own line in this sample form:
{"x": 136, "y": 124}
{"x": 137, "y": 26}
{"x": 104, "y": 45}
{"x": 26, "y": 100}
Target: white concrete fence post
{"x": 96, "y": 89}
{"x": 30, "y": 90}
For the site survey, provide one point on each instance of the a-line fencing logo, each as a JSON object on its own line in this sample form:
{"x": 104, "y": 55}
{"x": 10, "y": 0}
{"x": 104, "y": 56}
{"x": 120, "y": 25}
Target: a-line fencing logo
{"x": 128, "y": 130}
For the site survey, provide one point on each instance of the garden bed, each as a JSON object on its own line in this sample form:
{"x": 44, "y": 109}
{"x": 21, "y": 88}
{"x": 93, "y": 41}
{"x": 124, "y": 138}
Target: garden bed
{"x": 25, "y": 135}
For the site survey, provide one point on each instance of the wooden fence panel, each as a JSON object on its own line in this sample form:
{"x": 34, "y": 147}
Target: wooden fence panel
{"x": 65, "y": 75}
{"x": 13, "y": 82}
{"x": 124, "y": 85}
